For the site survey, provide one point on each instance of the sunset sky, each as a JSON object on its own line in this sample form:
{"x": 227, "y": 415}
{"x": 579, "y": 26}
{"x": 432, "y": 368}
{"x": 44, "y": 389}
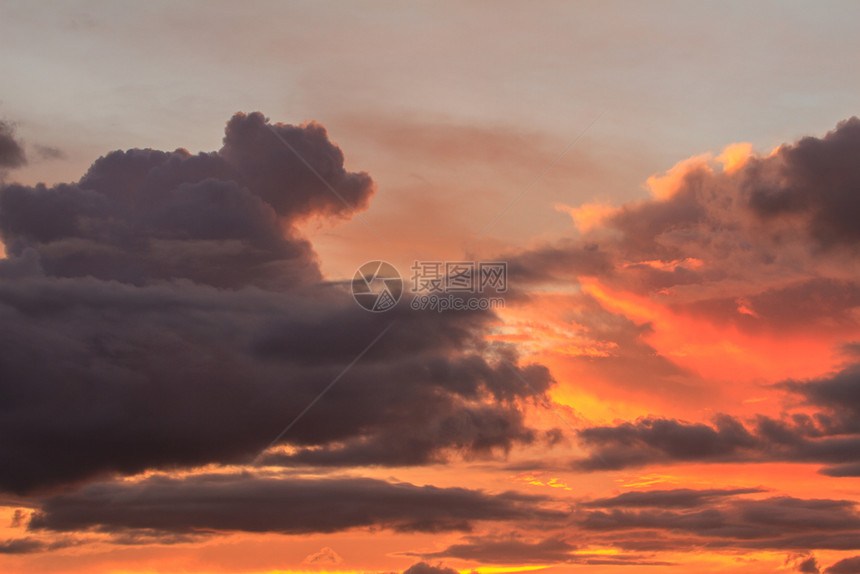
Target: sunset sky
{"x": 668, "y": 381}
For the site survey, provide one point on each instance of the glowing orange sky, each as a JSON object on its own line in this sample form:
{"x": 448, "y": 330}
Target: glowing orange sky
{"x": 507, "y": 133}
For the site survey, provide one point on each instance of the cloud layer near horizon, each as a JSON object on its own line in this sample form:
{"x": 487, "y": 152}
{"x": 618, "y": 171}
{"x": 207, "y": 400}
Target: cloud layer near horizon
{"x": 290, "y": 505}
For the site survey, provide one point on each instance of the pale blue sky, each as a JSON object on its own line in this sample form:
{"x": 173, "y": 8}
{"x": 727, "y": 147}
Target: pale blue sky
{"x": 671, "y": 80}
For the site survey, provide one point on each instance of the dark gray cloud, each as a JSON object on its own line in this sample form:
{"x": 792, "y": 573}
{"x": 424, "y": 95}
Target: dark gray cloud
{"x": 845, "y": 566}
{"x": 282, "y": 178}
{"x": 654, "y": 440}
{"x": 515, "y": 550}
{"x": 796, "y": 514}
{"x": 830, "y": 436}
{"x": 816, "y": 179}
{"x": 290, "y": 505}
{"x": 838, "y": 395}
{"x": 163, "y": 311}
{"x": 710, "y": 522}
{"x": 21, "y": 546}
{"x": 177, "y": 373}
{"x": 31, "y": 545}
{"x": 224, "y": 218}
{"x": 722, "y": 522}
{"x": 842, "y": 470}
{"x": 808, "y": 565}
{"x": 11, "y": 151}
{"x": 425, "y": 568}
{"x": 675, "y": 498}
{"x": 559, "y": 261}
{"x": 510, "y": 551}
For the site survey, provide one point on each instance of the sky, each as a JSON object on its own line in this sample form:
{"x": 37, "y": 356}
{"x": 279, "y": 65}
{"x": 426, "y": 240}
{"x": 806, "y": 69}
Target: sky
{"x": 617, "y": 327}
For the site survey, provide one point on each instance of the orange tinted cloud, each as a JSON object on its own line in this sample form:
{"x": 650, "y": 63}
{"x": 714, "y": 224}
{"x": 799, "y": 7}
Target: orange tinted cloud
{"x": 589, "y": 216}
{"x": 734, "y": 156}
{"x": 723, "y": 352}
{"x": 669, "y": 183}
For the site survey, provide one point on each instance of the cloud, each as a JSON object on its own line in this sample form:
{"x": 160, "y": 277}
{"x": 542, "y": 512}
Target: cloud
{"x": 18, "y": 518}
{"x": 21, "y": 546}
{"x": 289, "y": 505}
{"x": 554, "y": 261}
{"x": 705, "y": 265}
{"x": 822, "y": 302}
{"x": 513, "y": 549}
{"x": 767, "y": 230}
{"x": 815, "y": 179}
{"x": 803, "y": 562}
{"x": 842, "y": 470}
{"x": 187, "y": 323}
{"x": 326, "y": 556}
{"x": 830, "y": 435}
{"x": 425, "y": 568}
{"x": 587, "y": 217}
{"x": 811, "y": 183}
{"x": 845, "y": 566}
{"x": 839, "y": 394}
{"x": 281, "y": 178}
{"x": 721, "y": 522}
{"x": 177, "y": 373}
{"x": 755, "y": 249}
{"x": 49, "y": 152}
{"x": 654, "y": 440}
{"x": 676, "y": 498}
{"x": 509, "y": 550}
{"x": 225, "y": 218}
{"x": 11, "y": 151}
{"x": 808, "y": 565}
{"x": 30, "y": 545}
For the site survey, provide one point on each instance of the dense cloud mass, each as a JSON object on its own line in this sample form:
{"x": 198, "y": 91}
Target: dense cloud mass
{"x": 224, "y": 219}
{"x": 211, "y": 503}
{"x": 164, "y": 311}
